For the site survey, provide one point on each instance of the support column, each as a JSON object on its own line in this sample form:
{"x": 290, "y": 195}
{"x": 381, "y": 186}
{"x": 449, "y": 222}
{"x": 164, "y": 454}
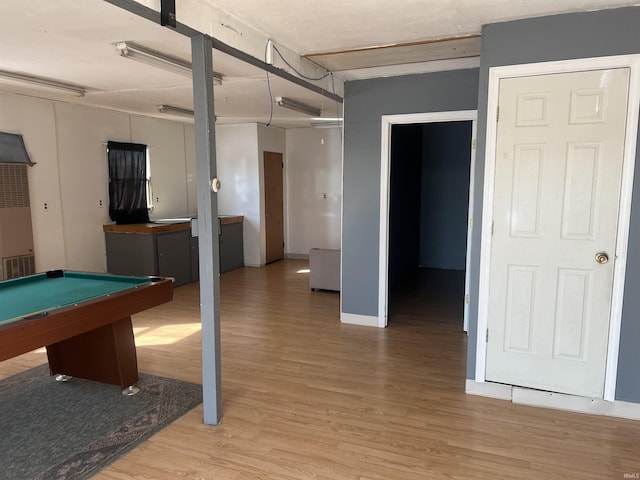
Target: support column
{"x": 202, "y": 65}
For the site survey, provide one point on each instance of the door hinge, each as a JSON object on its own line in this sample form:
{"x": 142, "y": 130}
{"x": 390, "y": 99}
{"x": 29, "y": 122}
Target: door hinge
{"x": 467, "y": 299}
{"x": 492, "y": 229}
{"x": 470, "y": 223}
{"x": 487, "y": 336}
{"x": 473, "y": 144}
{"x": 497, "y": 113}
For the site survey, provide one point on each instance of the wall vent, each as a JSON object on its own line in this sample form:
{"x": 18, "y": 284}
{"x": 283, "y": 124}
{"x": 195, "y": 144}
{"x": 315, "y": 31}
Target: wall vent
{"x": 14, "y": 186}
{"x": 20, "y": 266}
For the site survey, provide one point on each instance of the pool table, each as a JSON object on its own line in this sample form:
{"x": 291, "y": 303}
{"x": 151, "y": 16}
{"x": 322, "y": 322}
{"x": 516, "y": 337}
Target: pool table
{"x": 83, "y": 319}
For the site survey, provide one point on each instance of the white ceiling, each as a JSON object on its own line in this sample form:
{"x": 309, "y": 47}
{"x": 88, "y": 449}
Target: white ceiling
{"x": 311, "y": 26}
{"x": 73, "y": 41}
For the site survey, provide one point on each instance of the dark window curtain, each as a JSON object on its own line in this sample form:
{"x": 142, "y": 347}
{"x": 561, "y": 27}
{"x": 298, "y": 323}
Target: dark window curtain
{"x": 127, "y": 182}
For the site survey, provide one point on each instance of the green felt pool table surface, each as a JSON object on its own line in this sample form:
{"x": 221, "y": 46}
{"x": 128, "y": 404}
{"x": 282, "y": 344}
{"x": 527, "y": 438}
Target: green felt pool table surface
{"x": 46, "y": 292}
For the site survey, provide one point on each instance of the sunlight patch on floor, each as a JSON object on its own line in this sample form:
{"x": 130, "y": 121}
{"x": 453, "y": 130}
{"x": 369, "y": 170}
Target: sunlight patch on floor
{"x": 166, "y": 334}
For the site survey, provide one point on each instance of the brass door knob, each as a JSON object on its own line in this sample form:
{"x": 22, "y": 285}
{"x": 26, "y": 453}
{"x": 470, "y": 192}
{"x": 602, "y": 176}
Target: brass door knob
{"x": 602, "y": 257}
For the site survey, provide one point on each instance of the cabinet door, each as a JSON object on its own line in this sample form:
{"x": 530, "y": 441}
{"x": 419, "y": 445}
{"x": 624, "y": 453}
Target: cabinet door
{"x": 131, "y": 254}
{"x": 195, "y": 260}
{"x": 174, "y": 256}
{"x": 231, "y": 247}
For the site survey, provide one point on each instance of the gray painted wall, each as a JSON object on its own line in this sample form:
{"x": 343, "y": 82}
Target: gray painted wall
{"x": 445, "y": 195}
{"x": 589, "y": 34}
{"x": 561, "y": 37}
{"x": 365, "y": 103}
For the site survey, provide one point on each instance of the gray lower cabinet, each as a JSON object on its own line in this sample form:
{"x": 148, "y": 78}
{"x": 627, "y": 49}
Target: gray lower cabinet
{"x": 167, "y": 251}
{"x": 174, "y": 256}
{"x": 131, "y": 254}
{"x": 231, "y": 247}
{"x": 195, "y": 260}
{"x": 163, "y": 254}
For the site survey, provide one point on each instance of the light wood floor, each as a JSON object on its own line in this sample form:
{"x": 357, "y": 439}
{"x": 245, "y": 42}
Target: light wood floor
{"x": 305, "y": 397}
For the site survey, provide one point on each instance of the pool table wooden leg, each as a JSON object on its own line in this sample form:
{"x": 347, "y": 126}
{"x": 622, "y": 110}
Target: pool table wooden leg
{"x": 106, "y": 354}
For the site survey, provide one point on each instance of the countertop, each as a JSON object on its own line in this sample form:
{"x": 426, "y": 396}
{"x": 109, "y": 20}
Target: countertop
{"x": 164, "y": 225}
{"x": 146, "y": 228}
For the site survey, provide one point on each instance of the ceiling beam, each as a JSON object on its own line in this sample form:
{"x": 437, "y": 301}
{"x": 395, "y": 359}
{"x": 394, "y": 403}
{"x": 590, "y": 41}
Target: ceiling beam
{"x": 464, "y": 46}
{"x": 248, "y": 44}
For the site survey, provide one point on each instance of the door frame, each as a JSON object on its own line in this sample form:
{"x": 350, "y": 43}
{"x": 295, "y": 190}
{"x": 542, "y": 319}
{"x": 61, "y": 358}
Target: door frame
{"x": 624, "y": 214}
{"x": 385, "y": 172}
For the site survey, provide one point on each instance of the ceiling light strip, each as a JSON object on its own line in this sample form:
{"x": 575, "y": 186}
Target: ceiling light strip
{"x": 40, "y": 82}
{"x": 292, "y": 104}
{"x": 171, "y": 110}
{"x": 140, "y": 53}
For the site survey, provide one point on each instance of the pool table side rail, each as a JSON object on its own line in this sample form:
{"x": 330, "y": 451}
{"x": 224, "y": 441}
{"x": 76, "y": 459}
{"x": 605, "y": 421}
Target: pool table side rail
{"x": 36, "y": 277}
{"x": 26, "y": 335}
{"x": 6, "y": 284}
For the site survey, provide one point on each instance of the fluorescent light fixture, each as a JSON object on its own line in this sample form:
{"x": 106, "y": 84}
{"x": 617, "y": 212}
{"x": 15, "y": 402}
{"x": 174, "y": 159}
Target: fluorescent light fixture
{"x": 326, "y": 124}
{"x": 140, "y": 53}
{"x": 154, "y": 58}
{"x": 43, "y": 83}
{"x": 179, "y": 111}
{"x": 171, "y": 110}
{"x": 298, "y": 106}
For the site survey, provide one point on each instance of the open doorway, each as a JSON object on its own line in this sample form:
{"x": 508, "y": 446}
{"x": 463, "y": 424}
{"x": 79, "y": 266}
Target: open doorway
{"x": 425, "y": 211}
{"x": 428, "y": 203}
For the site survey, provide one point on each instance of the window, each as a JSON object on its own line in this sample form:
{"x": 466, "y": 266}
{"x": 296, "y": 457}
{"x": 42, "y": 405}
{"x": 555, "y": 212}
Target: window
{"x": 149, "y": 188}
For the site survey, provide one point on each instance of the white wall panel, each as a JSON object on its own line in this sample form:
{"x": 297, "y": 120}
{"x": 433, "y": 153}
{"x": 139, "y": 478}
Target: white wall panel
{"x": 190, "y": 159}
{"x": 239, "y": 173}
{"x": 84, "y": 179}
{"x": 34, "y": 120}
{"x": 313, "y": 170}
{"x": 168, "y": 164}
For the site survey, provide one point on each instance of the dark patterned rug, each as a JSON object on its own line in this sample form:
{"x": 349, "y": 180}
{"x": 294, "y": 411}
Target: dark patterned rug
{"x": 72, "y": 430}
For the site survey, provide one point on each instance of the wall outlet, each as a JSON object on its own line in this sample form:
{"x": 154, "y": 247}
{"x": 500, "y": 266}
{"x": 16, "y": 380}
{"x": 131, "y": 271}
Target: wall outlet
{"x": 46, "y": 206}
{"x": 100, "y": 203}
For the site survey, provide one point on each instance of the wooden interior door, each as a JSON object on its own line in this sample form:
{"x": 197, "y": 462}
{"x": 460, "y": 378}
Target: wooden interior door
{"x": 273, "y": 206}
{"x": 560, "y": 148}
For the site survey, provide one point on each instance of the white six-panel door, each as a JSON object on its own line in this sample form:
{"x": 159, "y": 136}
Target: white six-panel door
{"x": 559, "y": 156}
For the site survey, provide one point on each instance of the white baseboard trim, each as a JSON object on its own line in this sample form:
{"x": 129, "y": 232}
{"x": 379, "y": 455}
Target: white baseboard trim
{"x": 355, "y": 319}
{"x": 558, "y": 401}
{"x": 488, "y": 389}
{"x": 561, "y": 401}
